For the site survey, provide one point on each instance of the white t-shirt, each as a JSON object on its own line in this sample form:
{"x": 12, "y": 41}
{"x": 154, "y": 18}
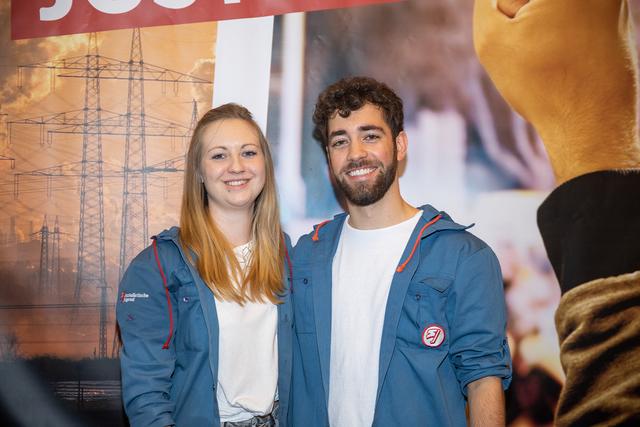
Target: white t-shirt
{"x": 363, "y": 269}
{"x": 248, "y": 355}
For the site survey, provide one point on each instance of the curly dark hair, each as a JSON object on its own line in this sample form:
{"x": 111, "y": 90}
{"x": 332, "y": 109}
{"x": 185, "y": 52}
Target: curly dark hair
{"x": 350, "y": 94}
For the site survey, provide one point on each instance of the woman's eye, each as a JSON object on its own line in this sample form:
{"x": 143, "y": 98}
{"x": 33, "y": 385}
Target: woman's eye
{"x": 249, "y": 153}
{"x": 218, "y": 156}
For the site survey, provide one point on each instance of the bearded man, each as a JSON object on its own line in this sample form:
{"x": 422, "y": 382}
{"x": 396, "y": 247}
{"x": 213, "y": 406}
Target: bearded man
{"x": 400, "y": 316}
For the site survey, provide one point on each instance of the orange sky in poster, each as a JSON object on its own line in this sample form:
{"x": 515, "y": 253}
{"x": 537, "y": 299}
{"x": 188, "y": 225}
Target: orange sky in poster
{"x": 61, "y": 331}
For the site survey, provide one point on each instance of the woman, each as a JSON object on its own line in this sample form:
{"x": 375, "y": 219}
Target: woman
{"x": 204, "y": 312}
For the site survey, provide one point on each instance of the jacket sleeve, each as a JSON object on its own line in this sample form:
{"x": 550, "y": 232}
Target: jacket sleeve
{"x": 145, "y": 311}
{"x": 477, "y": 314}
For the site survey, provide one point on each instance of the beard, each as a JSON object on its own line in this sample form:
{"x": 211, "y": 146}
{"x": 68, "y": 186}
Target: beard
{"x": 366, "y": 193}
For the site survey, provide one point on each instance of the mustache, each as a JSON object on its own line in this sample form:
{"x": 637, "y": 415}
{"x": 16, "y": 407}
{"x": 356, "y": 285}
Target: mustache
{"x": 360, "y": 164}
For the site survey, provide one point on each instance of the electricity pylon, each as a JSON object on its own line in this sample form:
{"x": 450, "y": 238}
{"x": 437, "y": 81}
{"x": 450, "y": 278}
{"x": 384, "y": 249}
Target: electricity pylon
{"x": 93, "y": 68}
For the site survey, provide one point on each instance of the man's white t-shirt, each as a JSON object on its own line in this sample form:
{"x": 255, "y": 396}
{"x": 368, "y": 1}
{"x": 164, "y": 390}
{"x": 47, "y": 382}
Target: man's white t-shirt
{"x": 248, "y": 355}
{"x": 363, "y": 268}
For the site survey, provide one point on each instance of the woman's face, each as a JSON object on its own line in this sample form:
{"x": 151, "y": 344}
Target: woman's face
{"x": 232, "y": 165}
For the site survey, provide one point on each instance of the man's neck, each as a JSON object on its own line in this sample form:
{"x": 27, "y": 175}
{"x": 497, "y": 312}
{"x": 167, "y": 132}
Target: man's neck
{"x": 392, "y": 209}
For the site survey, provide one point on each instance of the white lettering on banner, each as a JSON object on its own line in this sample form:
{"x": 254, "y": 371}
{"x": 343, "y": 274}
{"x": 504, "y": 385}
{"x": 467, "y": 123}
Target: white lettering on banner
{"x": 61, "y": 8}
{"x": 58, "y": 10}
{"x": 115, "y": 6}
{"x": 175, "y": 4}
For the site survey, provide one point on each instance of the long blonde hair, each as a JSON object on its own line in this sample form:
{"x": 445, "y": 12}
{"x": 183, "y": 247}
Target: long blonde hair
{"x": 205, "y": 244}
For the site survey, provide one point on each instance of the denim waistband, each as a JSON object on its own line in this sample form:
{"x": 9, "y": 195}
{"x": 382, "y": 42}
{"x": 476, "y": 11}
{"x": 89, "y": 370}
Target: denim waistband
{"x": 268, "y": 420}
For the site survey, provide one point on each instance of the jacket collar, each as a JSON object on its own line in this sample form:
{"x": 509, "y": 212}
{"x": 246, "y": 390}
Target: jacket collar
{"x": 172, "y": 234}
{"x": 331, "y": 227}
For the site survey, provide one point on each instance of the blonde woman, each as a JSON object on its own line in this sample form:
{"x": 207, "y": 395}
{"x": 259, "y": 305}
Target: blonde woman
{"x": 204, "y": 311}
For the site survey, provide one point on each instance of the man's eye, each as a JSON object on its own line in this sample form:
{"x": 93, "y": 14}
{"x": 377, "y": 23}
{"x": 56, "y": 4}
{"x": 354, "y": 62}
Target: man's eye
{"x": 371, "y": 137}
{"x": 338, "y": 142}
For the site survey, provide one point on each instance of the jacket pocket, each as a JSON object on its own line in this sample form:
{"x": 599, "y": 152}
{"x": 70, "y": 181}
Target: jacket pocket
{"x": 439, "y": 284}
{"x": 191, "y": 330}
{"x": 302, "y": 298}
{"x": 423, "y": 323}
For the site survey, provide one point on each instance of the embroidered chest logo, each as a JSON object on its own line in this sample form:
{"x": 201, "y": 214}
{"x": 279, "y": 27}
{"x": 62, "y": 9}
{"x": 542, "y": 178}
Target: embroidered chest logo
{"x": 131, "y": 296}
{"x": 433, "y": 336}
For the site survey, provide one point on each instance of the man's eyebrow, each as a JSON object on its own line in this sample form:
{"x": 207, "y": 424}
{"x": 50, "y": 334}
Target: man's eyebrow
{"x": 365, "y": 128}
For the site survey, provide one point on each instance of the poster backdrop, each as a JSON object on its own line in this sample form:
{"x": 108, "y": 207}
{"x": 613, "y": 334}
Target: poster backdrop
{"x": 82, "y": 188}
{"x": 67, "y": 230}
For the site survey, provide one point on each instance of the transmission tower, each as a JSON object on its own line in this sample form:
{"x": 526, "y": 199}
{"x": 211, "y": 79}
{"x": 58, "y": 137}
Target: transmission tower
{"x": 4, "y": 134}
{"x": 49, "y": 272}
{"x": 91, "y": 253}
{"x": 135, "y": 231}
{"x": 5, "y": 139}
{"x": 111, "y": 123}
{"x": 43, "y": 276}
{"x": 55, "y": 257}
{"x": 133, "y": 125}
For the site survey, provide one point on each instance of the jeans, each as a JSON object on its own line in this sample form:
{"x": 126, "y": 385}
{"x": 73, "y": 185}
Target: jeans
{"x": 269, "y": 420}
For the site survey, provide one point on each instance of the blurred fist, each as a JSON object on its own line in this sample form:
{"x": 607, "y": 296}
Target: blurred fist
{"x": 569, "y": 68}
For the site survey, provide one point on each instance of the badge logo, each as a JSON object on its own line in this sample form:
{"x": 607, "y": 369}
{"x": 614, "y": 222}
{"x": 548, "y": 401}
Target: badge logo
{"x": 433, "y": 336}
{"x": 132, "y": 296}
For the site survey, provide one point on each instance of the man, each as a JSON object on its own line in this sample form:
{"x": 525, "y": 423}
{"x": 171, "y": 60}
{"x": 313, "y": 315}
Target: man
{"x": 569, "y": 67}
{"x": 399, "y": 312}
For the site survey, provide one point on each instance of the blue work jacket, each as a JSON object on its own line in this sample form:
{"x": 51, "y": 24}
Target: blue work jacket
{"x": 446, "y": 278}
{"x": 169, "y": 358}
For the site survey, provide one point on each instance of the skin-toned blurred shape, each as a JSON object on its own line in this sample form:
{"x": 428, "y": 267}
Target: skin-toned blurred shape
{"x": 566, "y": 66}
{"x": 511, "y": 7}
{"x": 569, "y": 68}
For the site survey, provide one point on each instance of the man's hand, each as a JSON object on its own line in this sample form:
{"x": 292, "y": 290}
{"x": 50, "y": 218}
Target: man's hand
{"x": 569, "y": 68}
{"x": 486, "y": 402}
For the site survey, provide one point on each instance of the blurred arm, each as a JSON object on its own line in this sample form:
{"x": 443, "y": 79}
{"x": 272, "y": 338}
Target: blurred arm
{"x": 569, "y": 67}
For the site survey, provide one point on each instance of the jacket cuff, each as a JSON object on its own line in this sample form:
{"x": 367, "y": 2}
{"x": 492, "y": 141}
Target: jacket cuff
{"x": 590, "y": 227}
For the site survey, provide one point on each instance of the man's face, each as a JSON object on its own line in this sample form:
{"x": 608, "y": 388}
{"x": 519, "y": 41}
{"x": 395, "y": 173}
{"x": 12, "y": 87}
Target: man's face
{"x": 362, "y": 154}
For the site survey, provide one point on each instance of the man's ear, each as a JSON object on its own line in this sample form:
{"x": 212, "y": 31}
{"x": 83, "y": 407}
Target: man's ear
{"x": 402, "y": 145}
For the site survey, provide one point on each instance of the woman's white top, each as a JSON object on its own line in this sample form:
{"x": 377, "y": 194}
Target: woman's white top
{"x": 248, "y": 354}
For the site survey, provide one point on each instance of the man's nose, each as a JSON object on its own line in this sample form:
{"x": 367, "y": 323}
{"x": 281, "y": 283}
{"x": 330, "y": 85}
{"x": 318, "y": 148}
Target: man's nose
{"x": 356, "y": 151}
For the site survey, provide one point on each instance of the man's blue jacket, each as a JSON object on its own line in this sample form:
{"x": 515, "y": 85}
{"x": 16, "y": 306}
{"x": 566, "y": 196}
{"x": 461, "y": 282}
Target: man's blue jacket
{"x": 169, "y": 358}
{"x": 448, "y": 282}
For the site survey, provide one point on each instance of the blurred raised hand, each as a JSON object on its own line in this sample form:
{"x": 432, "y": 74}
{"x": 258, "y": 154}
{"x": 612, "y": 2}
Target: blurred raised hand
{"x": 569, "y": 68}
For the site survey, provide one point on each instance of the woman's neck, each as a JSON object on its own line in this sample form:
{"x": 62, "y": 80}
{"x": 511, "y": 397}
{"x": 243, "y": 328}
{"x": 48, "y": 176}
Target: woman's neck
{"x": 235, "y": 225}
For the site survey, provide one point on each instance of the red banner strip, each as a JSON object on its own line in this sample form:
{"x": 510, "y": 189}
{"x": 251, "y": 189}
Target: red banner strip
{"x": 41, "y": 18}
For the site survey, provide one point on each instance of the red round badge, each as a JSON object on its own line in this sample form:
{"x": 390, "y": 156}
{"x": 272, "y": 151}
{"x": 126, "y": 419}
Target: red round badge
{"x": 433, "y": 336}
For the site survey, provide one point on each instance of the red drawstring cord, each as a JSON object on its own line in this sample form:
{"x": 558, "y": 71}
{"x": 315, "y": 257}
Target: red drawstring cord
{"x": 315, "y": 237}
{"x": 415, "y": 244}
{"x": 166, "y": 290}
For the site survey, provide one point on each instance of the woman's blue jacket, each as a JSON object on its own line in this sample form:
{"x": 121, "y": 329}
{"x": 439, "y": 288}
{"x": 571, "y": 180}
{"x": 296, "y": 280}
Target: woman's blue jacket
{"x": 169, "y": 329}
